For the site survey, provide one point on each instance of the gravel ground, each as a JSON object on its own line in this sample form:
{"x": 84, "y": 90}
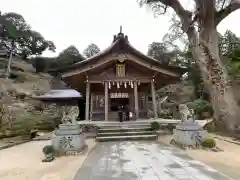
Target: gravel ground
{"x": 227, "y": 161}
{"x": 24, "y": 162}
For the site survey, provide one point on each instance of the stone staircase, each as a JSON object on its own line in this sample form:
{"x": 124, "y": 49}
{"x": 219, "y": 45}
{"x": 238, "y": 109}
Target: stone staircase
{"x": 125, "y": 131}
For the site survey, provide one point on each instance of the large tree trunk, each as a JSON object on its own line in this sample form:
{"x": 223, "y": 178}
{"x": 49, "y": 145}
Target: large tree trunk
{"x": 206, "y": 51}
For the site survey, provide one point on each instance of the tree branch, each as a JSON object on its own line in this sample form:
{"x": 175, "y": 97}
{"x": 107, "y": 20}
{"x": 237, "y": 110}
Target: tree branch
{"x": 183, "y": 14}
{"x": 222, "y": 14}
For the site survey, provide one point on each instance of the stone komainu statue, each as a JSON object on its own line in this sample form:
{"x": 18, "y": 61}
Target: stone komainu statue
{"x": 70, "y": 114}
{"x": 186, "y": 114}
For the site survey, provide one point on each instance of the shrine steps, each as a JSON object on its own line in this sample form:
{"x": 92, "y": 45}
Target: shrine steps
{"x": 125, "y": 132}
{"x": 117, "y": 126}
{"x": 126, "y": 138}
{"x": 123, "y": 129}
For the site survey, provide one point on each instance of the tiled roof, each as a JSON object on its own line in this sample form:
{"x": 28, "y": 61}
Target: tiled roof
{"x": 121, "y": 43}
{"x": 60, "y": 94}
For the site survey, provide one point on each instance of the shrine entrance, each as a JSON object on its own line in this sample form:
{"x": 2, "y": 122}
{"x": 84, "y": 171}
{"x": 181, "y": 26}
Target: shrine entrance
{"x": 117, "y": 100}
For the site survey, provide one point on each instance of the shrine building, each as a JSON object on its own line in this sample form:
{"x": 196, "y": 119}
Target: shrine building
{"x": 119, "y": 76}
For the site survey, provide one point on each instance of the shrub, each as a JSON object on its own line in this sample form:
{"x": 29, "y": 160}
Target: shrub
{"x": 155, "y": 126}
{"x": 48, "y": 149}
{"x": 201, "y": 107}
{"x": 209, "y": 142}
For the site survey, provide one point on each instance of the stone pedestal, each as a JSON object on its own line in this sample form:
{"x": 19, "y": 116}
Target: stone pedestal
{"x": 68, "y": 138}
{"x": 189, "y": 133}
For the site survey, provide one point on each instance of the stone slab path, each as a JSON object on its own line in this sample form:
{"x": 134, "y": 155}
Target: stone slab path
{"x": 143, "y": 161}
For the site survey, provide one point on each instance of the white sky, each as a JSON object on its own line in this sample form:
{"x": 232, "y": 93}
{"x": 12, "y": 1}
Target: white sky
{"x": 81, "y": 22}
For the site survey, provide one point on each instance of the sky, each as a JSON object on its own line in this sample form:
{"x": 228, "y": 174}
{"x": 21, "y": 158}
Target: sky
{"x": 81, "y": 22}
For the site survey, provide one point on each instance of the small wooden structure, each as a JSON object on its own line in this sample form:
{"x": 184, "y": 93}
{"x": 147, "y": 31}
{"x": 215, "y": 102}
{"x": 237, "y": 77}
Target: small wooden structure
{"x": 119, "y": 75}
{"x": 69, "y": 96}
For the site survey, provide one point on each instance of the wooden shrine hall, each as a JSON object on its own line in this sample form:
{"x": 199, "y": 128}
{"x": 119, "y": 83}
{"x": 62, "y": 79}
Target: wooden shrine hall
{"x": 119, "y": 76}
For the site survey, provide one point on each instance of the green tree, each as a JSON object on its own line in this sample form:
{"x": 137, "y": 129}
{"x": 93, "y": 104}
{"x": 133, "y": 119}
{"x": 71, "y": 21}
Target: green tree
{"x": 228, "y": 43}
{"x": 158, "y": 51}
{"x": 229, "y": 47}
{"x": 9, "y": 33}
{"x": 91, "y": 50}
{"x": 200, "y": 27}
{"x": 69, "y": 56}
{"x": 34, "y": 44}
{"x": 40, "y": 64}
{"x": 27, "y": 42}
{"x": 43, "y": 64}
{"x": 20, "y": 40}
{"x": 167, "y": 54}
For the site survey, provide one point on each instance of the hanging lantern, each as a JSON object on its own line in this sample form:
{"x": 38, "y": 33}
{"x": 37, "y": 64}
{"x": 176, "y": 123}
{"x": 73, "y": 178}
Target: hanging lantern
{"x": 118, "y": 86}
{"x": 113, "y": 83}
{"x": 131, "y": 84}
{"x": 109, "y": 85}
{"x": 120, "y": 83}
{"x": 139, "y": 83}
{"x": 125, "y": 84}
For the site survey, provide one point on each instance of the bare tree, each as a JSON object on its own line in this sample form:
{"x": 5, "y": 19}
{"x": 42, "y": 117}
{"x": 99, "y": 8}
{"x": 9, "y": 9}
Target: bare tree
{"x": 200, "y": 26}
{"x": 91, "y": 50}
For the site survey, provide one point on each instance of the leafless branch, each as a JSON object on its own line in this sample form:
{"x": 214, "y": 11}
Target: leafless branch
{"x": 222, "y": 14}
{"x": 185, "y": 16}
{"x": 223, "y": 4}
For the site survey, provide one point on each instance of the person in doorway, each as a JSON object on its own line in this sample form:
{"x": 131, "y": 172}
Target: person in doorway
{"x": 130, "y": 115}
{"x": 126, "y": 110}
{"x": 120, "y": 113}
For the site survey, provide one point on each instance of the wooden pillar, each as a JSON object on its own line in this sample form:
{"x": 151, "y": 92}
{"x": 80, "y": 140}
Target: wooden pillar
{"x": 146, "y": 103}
{"x": 136, "y": 100}
{"x": 87, "y": 101}
{"x": 91, "y": 106}
{"x": 106, "y": 101}
{"x": 154, "y": 102}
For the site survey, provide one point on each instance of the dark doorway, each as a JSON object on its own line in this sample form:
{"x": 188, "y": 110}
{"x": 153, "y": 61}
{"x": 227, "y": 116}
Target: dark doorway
{"x": 81, "y": 106}
{"x": 116, "y": 102}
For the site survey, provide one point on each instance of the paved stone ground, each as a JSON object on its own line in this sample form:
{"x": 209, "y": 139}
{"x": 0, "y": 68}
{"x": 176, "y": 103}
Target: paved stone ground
{"x": 143, "y": 161}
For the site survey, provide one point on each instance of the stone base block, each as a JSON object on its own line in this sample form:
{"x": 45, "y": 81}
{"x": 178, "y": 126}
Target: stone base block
{"x": 189, "y": 134}
{"x": 68, "y": 138}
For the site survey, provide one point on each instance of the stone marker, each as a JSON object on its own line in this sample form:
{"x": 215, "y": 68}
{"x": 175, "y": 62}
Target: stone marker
{"x": 69, "y": 137}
